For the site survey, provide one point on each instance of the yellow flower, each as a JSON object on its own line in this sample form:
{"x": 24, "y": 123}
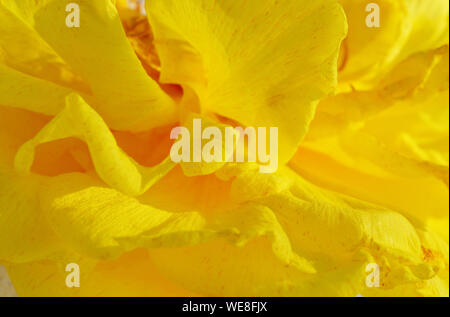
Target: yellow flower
{"x": 86, "y": 177}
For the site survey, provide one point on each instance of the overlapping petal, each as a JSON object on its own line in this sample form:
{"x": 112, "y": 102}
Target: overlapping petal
{"x": 23, "y": 49}
{"x": 25, "y": 233}
{"x": 99, "y": 221}
{"x": 103, "y": 223}
{"x": 388, "y": 145}
{"x": 406, "y": 27}
{"x": 41, "y": 96}
{"x": 368, "y": 185}
{"x": 338, "y": 234}
{"x": 133, "y": 274}
{"x": 260, "y": 63}
{"x": 115, "y": 167}
{"x": 99, "y": 52}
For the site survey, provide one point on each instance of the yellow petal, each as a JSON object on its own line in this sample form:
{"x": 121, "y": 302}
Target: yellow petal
{"x": 415, "y": 73}
{"x": 436, "y": 252}
{"x": 389, "y": 145}
{"x": 193, "y": 168}
{"x": 435, "y": 287}
{"x": 23, "y": 91}
{"x": 16, "y": 127}
{"x": 341, "y": 235}
{"x": 406, "y": 138}
{"x": 213, "y": 268}
{"x": 24, "y": 50}
{"x": 260, "y": 63}
{"x": 440, "y": 226}
{"x": 363, "y": 145}
{"x": 416, "y": 129}
{"x": 90, "y": 217}
{"x": 111, "y": 163}
{"x": 406, "y": 27}
{"x": 129, "y": 11}
{"x": 327, "y": 165}
{"x": 25, "y": 234}
{"x": 118, "y": 223}
{"x": 416, "y": 80}
{"x": 125, "y": 96}
{"x": 133, "y": 274}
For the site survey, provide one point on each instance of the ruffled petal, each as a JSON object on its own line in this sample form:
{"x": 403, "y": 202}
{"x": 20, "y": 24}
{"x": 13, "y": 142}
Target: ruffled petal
{"x": 16, "y": 127}
{"x": 406, "y": 27}
{"x": 104, "y": 223}
{"x": 125, "y": 96}
{"x": 262, "y": 64}
{"x": 326, "y": 165}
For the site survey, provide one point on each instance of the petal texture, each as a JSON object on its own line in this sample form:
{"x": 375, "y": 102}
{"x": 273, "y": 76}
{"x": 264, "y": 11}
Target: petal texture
{"x": 262, "y": 63}
{"x": 125, "y": 96}
{"x": 116, "y": 168}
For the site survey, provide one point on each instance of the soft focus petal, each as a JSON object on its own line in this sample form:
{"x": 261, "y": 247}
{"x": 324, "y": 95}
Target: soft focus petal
{"x": 406, "y": 27}
{"x": 363, "y": 180}
{"x": 16, "y": 127}
{"x": 25, "y": 234}
{"x": 133, "y": 274}
{"x": 417, "y": 80}
{"x": 24, "y": 50}
{"x": 389, "y": 145}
